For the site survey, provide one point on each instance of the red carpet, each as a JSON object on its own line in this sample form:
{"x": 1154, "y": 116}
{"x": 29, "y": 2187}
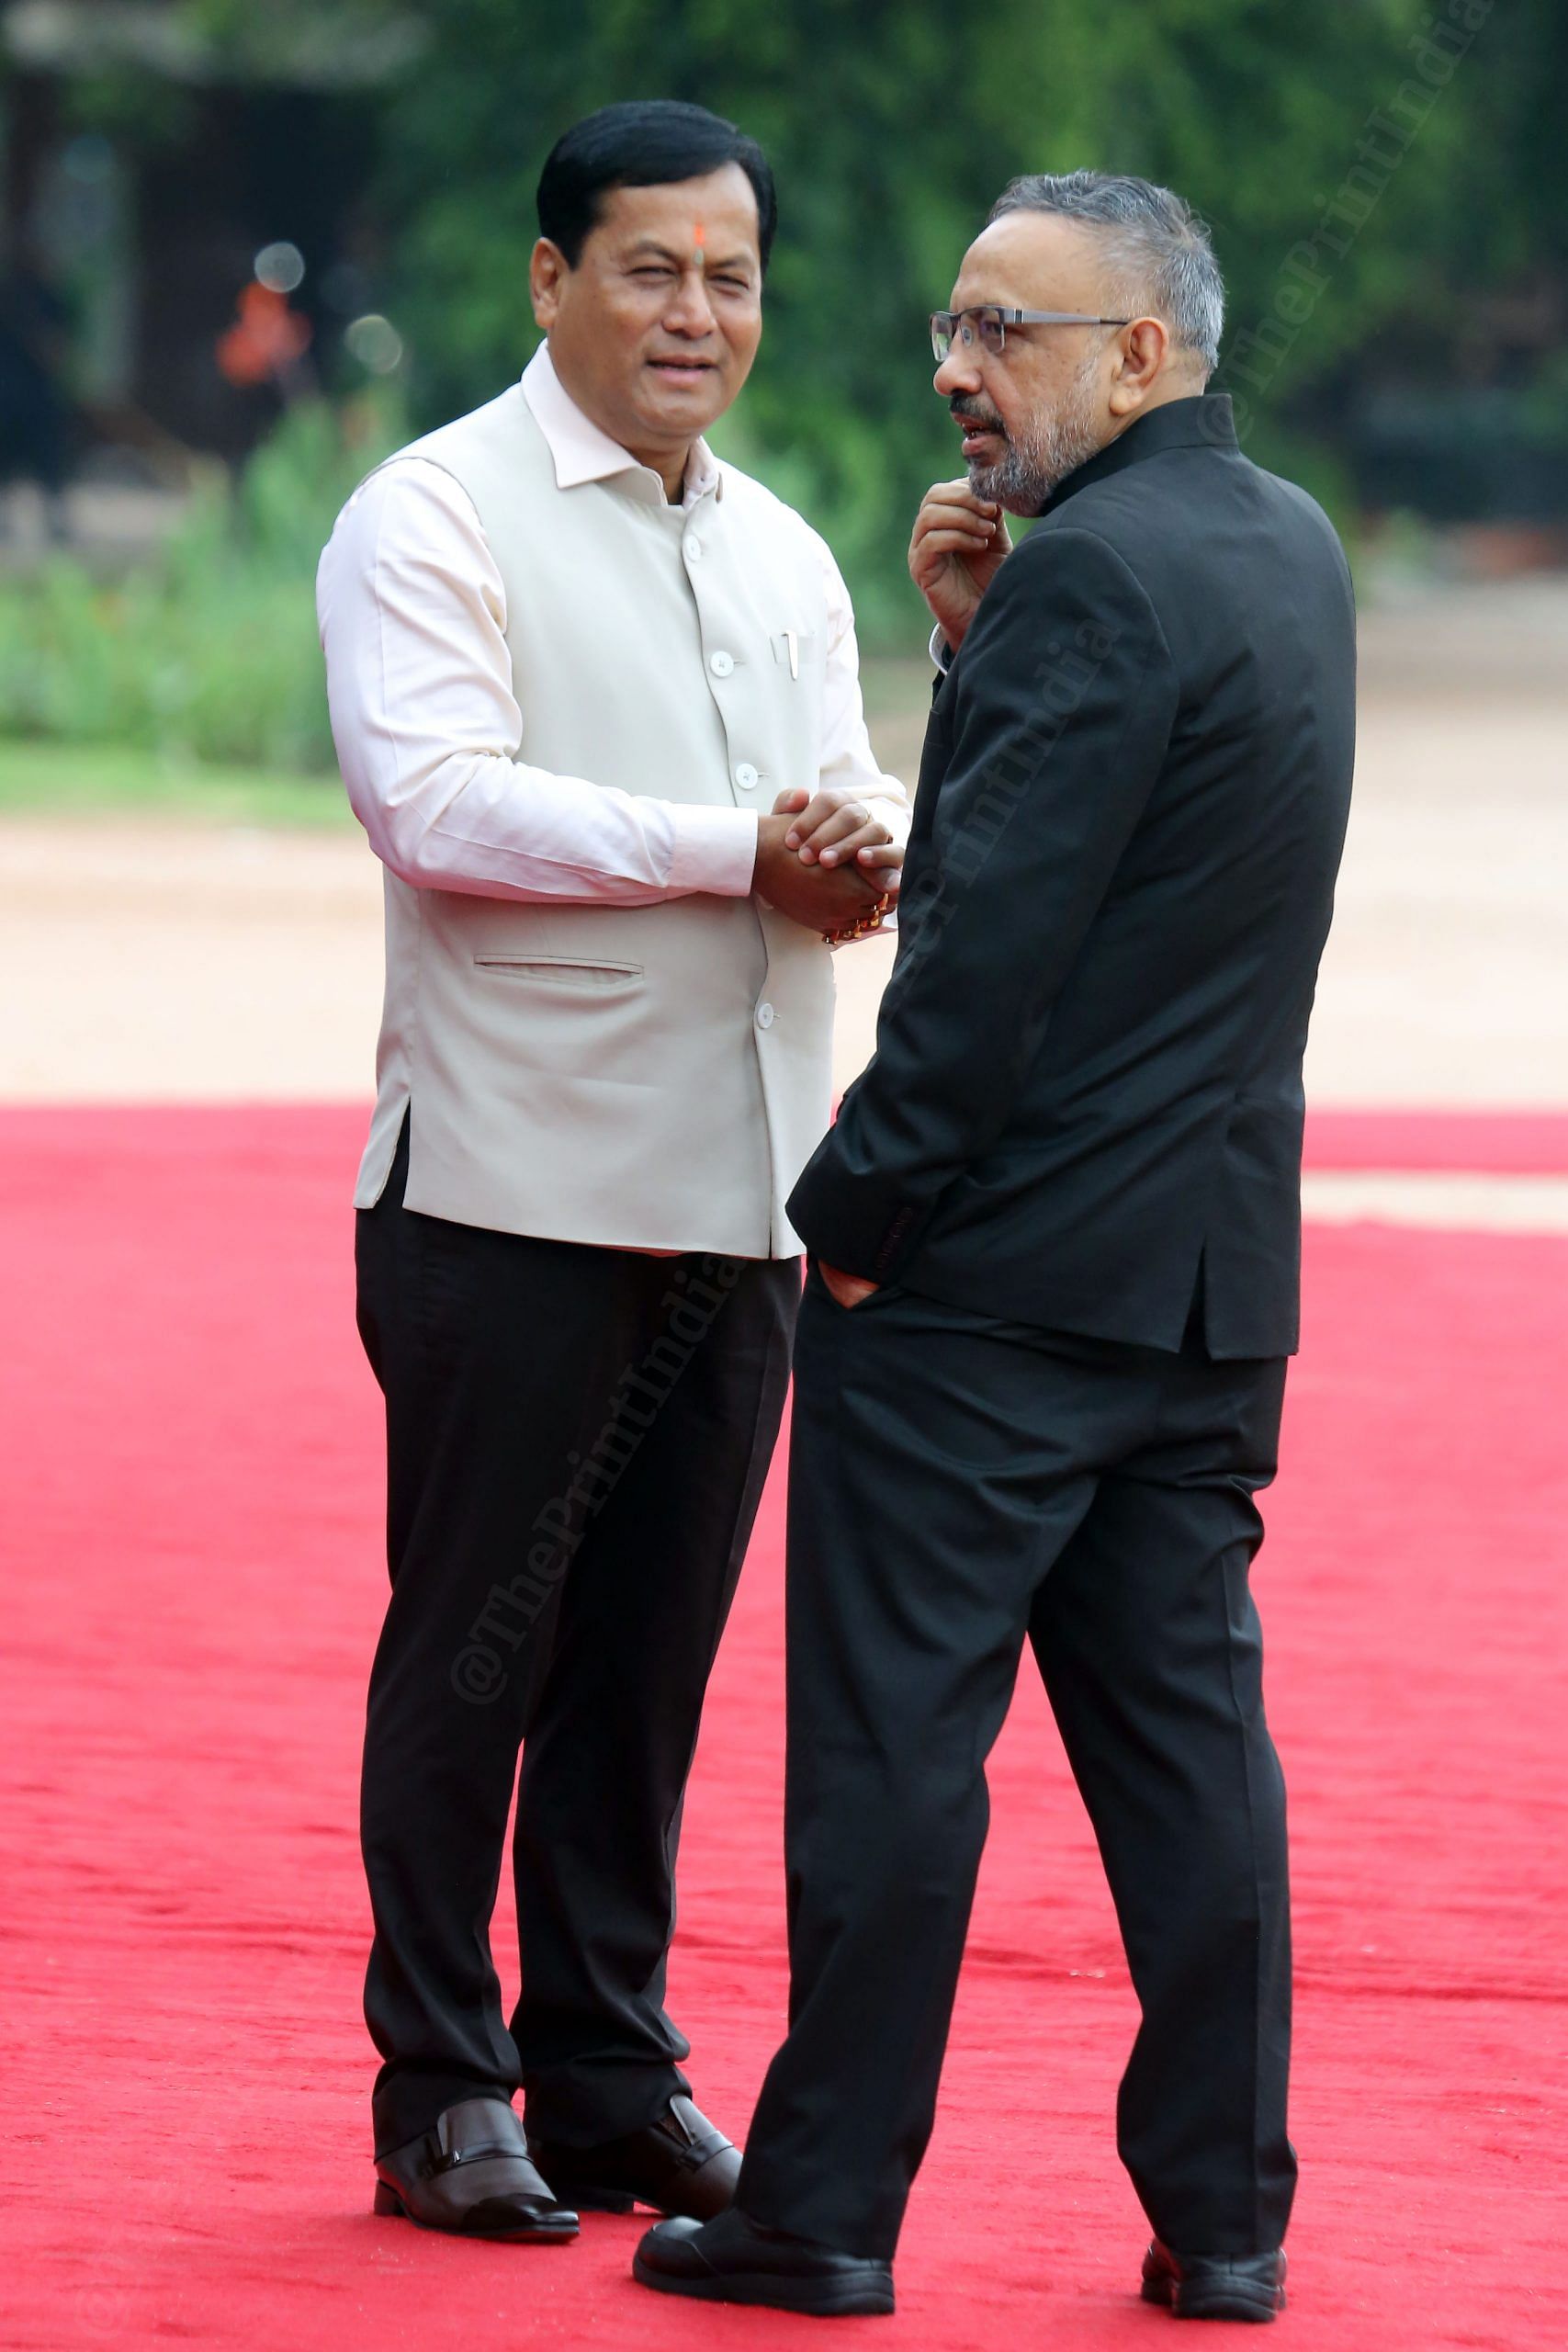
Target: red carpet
{"x": 194, "y": 1580}
{"x": 1467, "y": 1143}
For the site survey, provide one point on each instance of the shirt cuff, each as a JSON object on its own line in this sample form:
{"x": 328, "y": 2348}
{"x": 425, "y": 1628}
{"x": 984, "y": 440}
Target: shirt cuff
{"x": 715, "y": 851}
{"x": 941, "y": 653}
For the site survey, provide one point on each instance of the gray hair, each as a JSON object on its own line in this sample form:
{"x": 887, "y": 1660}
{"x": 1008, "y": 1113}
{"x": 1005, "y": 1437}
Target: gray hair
{"x": 1161, "y": 263}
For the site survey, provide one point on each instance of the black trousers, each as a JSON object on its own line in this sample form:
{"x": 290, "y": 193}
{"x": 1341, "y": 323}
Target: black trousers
{"x": 958, "y": 1484}
{"x": 577, "y": 1440}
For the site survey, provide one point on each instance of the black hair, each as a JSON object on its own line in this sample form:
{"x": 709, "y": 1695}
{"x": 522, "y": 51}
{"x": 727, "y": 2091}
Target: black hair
{"x": 646, "y": 142}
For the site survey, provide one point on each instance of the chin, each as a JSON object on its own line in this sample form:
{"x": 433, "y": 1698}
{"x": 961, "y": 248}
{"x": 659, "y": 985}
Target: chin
{"x": 693, "y": 408}
{"x": 991, "y": 482}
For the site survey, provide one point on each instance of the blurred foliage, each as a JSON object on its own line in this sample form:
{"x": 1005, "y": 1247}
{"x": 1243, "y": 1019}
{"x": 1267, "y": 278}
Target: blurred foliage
{"x": 108, "y": 779}
{"x": 208, "y": 651}
{"x": 891, "y": 124}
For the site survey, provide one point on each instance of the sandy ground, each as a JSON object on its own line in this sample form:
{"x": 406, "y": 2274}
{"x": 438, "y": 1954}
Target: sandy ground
{"x": 142, "y": 959}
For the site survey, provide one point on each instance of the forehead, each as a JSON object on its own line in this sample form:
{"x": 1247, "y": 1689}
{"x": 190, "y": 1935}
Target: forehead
{"x": 722, "y": 205}
{"x": 1033, "y": 261}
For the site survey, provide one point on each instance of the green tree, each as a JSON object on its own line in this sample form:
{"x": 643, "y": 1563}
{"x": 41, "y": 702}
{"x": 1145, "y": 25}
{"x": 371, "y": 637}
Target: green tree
{"x": 893, "y": 124}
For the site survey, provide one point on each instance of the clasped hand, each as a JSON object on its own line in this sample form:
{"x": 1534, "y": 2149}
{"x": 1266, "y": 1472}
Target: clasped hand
{"x": 825, "y": 861}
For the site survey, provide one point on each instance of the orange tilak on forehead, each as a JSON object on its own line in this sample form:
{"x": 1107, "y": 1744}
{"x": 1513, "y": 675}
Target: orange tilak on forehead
{"x": 699, "y": 242}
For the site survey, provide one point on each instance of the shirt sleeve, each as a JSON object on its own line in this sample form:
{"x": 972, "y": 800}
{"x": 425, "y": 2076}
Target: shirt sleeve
{"x": 412, "y": 617}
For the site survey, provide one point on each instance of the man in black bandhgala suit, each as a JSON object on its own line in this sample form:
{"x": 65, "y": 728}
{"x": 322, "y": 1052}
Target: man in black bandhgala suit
{"x": 1054, "y": 1244}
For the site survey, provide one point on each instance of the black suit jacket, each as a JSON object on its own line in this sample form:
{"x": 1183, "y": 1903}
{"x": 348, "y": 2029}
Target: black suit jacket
{"x": 1088, "y": 1079}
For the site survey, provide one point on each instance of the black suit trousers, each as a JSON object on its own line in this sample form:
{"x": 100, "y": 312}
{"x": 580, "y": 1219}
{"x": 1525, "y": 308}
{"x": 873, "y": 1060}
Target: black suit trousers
{"x": 577, "y": 1440}
{"x": 959, "y": 1484}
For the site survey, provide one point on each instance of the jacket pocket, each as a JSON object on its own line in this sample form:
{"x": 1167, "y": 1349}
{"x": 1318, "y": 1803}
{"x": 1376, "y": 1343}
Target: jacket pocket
{"x": 562, "y": 971}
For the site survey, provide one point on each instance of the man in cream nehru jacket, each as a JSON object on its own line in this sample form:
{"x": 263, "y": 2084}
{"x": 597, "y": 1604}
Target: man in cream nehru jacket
{"x": 596, "y": 703}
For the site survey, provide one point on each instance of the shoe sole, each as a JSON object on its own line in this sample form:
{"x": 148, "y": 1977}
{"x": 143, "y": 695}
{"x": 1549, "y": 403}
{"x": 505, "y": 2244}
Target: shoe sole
{"x": 390, "y": 2206}
{"x": 1223, "y": 2302}
{"x": 1227, "y": 2306}
{"x": 817, "y": 2298}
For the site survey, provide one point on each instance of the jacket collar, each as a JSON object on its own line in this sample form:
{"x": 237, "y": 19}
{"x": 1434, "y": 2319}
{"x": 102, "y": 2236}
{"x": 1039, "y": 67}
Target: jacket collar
{"x": 1207, "y": 420}
{"x": 583, "y": 452}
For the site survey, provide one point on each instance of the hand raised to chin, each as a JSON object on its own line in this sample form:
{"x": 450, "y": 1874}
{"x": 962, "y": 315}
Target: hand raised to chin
{"x": 960, "y": 544}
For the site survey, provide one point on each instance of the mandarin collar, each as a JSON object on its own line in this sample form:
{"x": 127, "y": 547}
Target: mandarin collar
{"x": 1204, "y": 420}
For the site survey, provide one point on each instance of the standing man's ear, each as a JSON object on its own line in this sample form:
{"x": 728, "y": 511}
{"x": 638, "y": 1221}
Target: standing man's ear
{"x": 1144, "y": 345}
{"x": 546, "y": 267}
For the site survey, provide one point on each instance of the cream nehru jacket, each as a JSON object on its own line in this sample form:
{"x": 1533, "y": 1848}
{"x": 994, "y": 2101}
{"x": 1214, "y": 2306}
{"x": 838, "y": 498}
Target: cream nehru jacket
{"x": 645, "y": 1076}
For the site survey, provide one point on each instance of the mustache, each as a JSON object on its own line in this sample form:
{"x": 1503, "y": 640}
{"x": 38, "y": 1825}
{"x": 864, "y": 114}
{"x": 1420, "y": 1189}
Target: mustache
{"x": 981, "y": 419}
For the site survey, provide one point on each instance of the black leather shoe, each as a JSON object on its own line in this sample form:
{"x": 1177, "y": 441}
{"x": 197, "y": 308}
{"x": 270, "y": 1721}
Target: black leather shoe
{"x": 735, "y": 2260}
{"x": 678, "y": 2163}
{"x": 470, "y": 2173}
{"x": 1214, "y": 2286}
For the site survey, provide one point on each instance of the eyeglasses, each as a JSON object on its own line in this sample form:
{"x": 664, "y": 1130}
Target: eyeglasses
{"x": 988, "y": 325}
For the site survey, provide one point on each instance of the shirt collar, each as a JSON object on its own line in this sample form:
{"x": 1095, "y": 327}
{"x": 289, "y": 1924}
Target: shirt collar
{"x": 583, "y": 452}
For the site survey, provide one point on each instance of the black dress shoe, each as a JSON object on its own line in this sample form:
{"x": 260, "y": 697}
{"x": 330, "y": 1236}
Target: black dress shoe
{"x": 678, "y": 2163}
{"x": 1214, "y": 2286}
{"x": 737, "y": 2260}
{"x": 472, "y": 2174}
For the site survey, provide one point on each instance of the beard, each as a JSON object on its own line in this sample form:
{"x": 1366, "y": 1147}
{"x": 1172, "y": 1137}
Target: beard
{"x": 1039, "y": 460}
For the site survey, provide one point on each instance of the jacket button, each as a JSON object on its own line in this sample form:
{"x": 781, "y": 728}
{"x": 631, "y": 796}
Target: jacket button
{"x": 722, "y": 664}
{"x": 765, "y": 1016}
{"x": 746, "y": 776}
{"x": 693, "y": 547}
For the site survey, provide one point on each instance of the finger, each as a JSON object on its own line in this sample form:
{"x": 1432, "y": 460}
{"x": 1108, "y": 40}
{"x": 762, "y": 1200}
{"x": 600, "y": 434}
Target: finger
{"x": 942, "y": 544}
{"x": 956, "y": 524}
{"x": 930, "y": 563}
{"x": 843, "y": 851}
{"x": 961, "y": 538}
{"x": 851, "y": 889}
{"x": 959, "y": 493}
{"x": 885, "y": 876}
{"x": 955, "y": 518}
{"x": 840, "y": 820}
{"x": 948, "y": 498}
{"x": 818, "y": 808}
{"x": 847, "y": 851}
{"x": 795, "y": 798}
{"x": 837, "y": 824}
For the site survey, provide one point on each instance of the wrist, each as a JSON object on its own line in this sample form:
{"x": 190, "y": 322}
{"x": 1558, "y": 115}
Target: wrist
{"x": 771, "y": 832}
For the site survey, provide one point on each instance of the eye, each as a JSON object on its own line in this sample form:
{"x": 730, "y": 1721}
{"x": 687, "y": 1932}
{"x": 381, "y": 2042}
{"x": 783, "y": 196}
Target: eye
{"x": 653, "y": 269}
{"x": 733, "y": 285}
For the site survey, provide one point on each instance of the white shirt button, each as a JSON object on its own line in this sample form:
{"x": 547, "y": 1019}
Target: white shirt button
{"x": 765, "y": 1016}
{"x": 746, "y": 776}
{"x": 694, "y": 548}
{"x": 721, "y": 664}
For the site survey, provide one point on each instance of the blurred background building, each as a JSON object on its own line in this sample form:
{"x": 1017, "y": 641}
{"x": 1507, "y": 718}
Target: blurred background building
{"x": 146, "y": 165}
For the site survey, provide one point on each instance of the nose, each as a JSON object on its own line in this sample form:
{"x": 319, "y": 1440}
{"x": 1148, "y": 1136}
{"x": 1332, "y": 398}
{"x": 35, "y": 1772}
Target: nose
{"x": 957, "y": 373}
{"x": 691, "y": 311}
